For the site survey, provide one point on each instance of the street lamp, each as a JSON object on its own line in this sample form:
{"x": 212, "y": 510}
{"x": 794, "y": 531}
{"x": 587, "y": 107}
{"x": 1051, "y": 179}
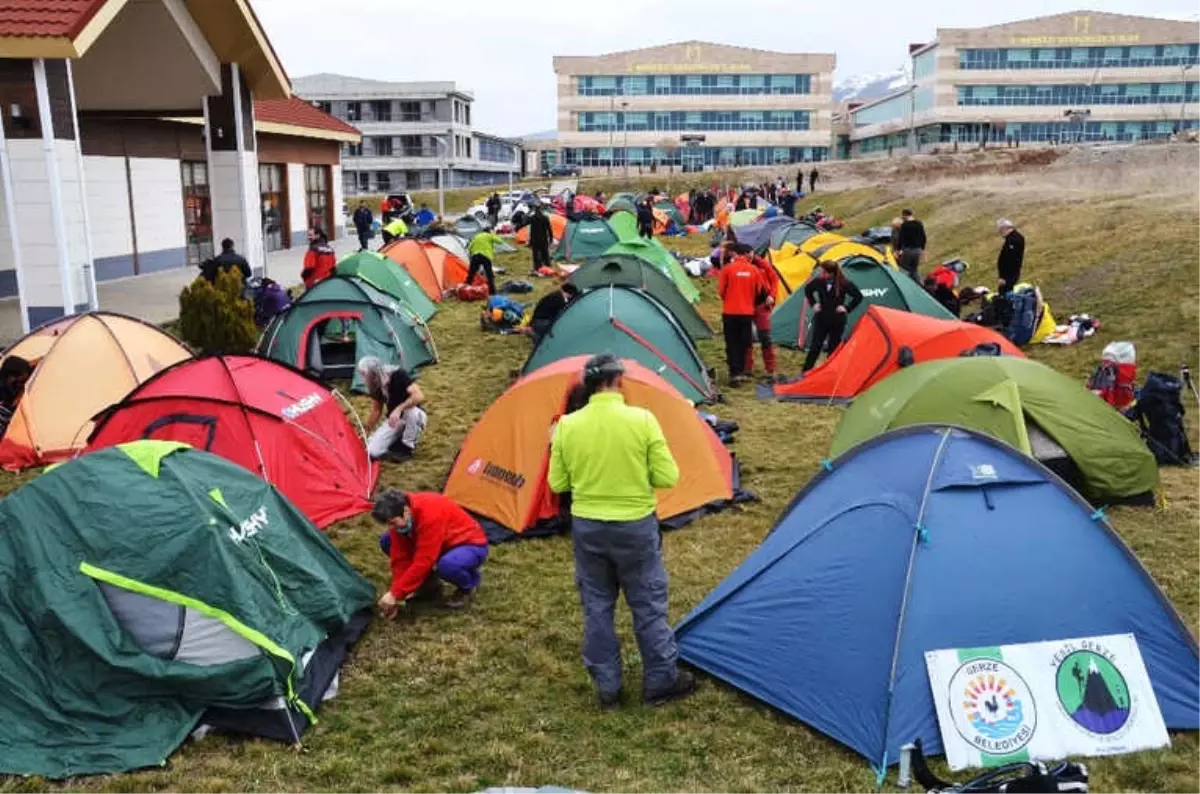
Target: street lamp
{"x": 443, "y": 150}
{"x": 625, "y": 138}
{"x": 1183, "y": 70}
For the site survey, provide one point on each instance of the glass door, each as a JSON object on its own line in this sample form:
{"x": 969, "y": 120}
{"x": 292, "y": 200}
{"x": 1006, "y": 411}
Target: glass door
{"x": 274, "y": 207}
{"x": 197, "y": 212}
{"x": 316, "y": 188}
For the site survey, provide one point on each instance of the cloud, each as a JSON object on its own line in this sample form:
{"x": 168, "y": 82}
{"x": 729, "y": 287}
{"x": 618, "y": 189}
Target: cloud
{"x": 502, "y": 51}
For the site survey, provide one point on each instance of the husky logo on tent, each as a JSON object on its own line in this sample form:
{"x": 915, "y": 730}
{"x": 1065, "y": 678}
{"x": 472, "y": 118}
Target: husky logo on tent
{"x": 250, "y": 527}
{"x": 996, "y": 715}
{"x": 875, "y": 292}
{"x": 302, "y": 406}
{"x": 984, "y": 471}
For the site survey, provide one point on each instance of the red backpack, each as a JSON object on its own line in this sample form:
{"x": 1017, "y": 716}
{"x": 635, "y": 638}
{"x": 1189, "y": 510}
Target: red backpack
{"x": 1115, "y": 375}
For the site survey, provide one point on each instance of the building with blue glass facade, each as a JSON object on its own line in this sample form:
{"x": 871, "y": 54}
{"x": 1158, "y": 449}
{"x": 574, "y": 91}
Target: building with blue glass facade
{"x": 1084, "y": 76}
{"x": 694, "y": 105}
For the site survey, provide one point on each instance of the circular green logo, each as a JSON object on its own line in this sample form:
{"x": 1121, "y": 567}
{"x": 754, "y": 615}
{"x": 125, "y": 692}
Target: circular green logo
{"x": 1093, "y": 692}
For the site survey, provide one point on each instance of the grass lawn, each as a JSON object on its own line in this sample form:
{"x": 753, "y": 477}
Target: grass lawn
{"x": 497, "y": 695}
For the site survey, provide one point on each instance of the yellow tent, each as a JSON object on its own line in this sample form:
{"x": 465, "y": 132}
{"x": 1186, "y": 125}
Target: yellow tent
{"x": 795, "y": 269}
{"x": 83, "y": 363}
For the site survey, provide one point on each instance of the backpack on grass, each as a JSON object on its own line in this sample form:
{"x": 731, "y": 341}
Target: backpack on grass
{"x": 1159, "y": 415}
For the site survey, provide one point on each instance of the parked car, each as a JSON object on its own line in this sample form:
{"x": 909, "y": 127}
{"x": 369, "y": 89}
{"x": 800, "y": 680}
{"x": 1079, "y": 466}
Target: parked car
{"x": 562, "y": 169}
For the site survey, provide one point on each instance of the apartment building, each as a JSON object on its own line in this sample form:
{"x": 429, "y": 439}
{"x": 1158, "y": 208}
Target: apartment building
{"x": 1082, "y": 76}
{"x": 694, "y": 105}
{"x": 410, "y": 130}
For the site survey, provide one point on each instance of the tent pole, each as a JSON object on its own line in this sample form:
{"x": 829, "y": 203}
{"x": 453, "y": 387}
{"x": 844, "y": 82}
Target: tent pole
{"x": 918, "y": 530}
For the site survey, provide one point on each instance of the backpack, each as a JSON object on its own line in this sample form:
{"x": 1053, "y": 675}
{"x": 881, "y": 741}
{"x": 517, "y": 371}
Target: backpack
{"x": 1115, "y": 375}
{"x": 1023, "y": 320}
{"x": 1158, "y": 413}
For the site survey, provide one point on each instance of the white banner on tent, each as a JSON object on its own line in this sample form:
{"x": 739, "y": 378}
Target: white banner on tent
{"x": 1043, "y": 701}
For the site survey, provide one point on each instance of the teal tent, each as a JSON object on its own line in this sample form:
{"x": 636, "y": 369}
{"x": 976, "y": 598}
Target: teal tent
{"x": 633, "y": 271}
{"x": 379, "y": 326}
{"x": 652, "y": 251}
{"x": 631, "y": 324}
{"x": 672, "y": 211}
{"x": 622, "y": 202}
{"x": 880, "y": 285}
{"x": 150, "y": 587}
{"x": 389, "y": 278}
{"x": 585, "y": 238}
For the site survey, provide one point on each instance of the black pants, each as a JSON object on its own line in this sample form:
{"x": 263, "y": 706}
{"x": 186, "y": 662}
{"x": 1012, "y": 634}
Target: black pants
{"x": 739, "y": 336}
{"x": 541, "y": 254}
{"x": 910, "y": 260}
{"x": 387, "y": 237}
{"x": 540, "y": 328}
{"x": 480, "y": 261}
{"x": 826, "y": 333}
{"x": 364, "y": 238}
{"x": 645, "y": 230}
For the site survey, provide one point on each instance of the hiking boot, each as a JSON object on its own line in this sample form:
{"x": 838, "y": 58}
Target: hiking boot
{"x": 684, "y": 685}
{"x": 430, "y": 591}
{"x": 461, "y": 599}
{"x": 610, "y": 701}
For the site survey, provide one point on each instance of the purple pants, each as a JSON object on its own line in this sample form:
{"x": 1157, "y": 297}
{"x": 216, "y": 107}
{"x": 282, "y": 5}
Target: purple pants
{"x": 459, "y": 566}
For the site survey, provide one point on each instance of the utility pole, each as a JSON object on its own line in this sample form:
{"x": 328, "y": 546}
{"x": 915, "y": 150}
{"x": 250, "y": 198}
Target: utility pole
{"x": 442, "y": 147}
{"x": 625, "y": 138}
{"x": 612, "y": 128}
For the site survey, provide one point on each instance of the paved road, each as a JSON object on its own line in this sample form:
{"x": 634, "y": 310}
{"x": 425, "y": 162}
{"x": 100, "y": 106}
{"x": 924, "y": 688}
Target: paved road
{"x": 155, "y": 297}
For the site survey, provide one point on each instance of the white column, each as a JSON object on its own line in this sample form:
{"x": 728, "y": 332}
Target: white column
{"x": 233, "y": 168}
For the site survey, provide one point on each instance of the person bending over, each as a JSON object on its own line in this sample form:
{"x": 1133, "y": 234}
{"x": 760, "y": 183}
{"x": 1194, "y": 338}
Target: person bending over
{"x": 396, "y": 399}
{"x": 429, "y": 540}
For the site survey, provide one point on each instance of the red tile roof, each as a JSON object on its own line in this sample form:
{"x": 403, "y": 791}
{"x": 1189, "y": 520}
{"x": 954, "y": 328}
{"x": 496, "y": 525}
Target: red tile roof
{"x": 298, "y": 113}
{"x": 46, "y": 17}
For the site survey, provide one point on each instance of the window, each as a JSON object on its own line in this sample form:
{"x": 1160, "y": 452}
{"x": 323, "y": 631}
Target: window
{"x": 197, "y": 211}
{"x": 1078, "y": 94}
{"x": 694, "y": 121}
{"x": 354, "y": 149}
{"x": 382, "y": 146}
{"x": 382, "y": 110}
{"x": 410, "y": 111}
{"x": 467, "y": 115}
{"x": 316, "y": 191}
{"x": 694, "y": 84}
{"x": 383, "y": 181}
{"x": 354, "y": 111}
{"x": 496, "y": 152}
{"x": 414, "y": 146}
{"x": 325, "y": 107}
{"x": 925, "y": 64}
{"x": 273, "y": 193}
{"x": 364, "y": 182}
{"x": 1080, "y": 57}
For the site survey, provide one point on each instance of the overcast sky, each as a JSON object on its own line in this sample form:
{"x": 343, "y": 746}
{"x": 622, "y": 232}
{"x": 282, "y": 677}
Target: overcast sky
{"x": 502, "y": 51}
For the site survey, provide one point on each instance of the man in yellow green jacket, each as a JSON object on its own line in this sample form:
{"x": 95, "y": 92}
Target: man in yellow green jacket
{"x": 611, "y": 457}
{"x": 482, "y": 249}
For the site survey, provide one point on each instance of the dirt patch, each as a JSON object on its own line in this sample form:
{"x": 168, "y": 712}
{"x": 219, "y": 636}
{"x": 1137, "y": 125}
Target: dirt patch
{"x": 1074, "y": 290}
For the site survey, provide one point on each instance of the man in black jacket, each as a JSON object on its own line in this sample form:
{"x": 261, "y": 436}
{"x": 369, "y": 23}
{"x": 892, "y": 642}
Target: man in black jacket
{"x": 362, "y": 224}
{"x": 228, "y": 259}
{"x": 539, "y": 238}
{"x": 1012, "y": 256}
{"x": 549, "y": 307}
{"x": 645, "y": 219}
{"x": 911, "y": 240}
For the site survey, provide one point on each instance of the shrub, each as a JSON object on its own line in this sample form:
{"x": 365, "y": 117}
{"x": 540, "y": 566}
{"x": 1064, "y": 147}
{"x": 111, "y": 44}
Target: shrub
{"x": 216, "y": 319}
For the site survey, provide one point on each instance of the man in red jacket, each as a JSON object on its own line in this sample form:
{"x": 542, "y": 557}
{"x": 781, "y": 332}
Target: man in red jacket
{"x": 320, "y": 260}
{"x": 428, "y": 535}
{"x": 741, "y": 288}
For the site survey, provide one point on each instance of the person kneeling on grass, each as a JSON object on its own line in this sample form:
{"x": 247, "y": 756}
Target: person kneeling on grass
{"x": 393, "y": 389}
{"x": 429, "y": 539}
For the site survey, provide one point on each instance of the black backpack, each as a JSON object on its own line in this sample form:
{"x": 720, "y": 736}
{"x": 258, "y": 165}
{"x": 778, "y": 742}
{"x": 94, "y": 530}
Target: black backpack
{"x": 1159, "y": 415}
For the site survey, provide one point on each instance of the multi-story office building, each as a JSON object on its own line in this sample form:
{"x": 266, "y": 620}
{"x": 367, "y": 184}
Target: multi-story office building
{"x": 1084, "y": 76}
{"x": 409, "y": 131}
{"x": 694, "y": 105}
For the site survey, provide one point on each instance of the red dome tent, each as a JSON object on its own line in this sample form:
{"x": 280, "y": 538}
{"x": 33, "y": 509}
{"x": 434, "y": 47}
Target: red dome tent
{"x": 872, "y": 352}
{"x": 269, "y": 418}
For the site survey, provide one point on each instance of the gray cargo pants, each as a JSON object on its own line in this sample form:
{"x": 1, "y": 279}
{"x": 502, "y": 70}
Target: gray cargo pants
{"x": 625, "y": 556}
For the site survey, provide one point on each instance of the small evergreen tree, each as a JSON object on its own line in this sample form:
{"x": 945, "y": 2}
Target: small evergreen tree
{"x": 214, "y": 319}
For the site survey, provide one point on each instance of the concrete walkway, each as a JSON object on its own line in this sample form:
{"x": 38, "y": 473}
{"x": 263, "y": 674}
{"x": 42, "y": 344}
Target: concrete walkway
{"x": 155, "y": 297}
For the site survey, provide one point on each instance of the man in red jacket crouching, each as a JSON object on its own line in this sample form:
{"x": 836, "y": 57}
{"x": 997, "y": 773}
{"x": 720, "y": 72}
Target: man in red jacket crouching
{"x": 428, "y": 536}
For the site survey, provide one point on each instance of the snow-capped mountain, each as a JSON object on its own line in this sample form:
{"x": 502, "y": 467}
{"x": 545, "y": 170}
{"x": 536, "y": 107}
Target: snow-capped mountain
{"x": 865, "y": 87}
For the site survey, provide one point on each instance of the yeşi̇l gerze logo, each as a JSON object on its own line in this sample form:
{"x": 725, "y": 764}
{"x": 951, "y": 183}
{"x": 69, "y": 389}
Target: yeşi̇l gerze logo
{"x": 1093, "y": 692}
{"x": 992, "y": 707}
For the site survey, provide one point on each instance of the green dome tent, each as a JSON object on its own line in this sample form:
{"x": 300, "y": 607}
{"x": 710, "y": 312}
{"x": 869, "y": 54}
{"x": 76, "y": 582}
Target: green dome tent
{"x": 795, "y": 234}
{"x": 585, "y": 238}
{"x": 652, "y": 251}
{"x": 622, "y": 202}
{"x": 381, "y": 326}
{"x": 631, "y": 324}
{"x": 672, "y": 211}
{"x": 632, "y": 271}
{"x": 880, "y": 285}
{"x": 1028, "y": 405}
{"x": 198, "y": 594}
{"x": 624, "y": 225}
{"x": 379, "y": 271}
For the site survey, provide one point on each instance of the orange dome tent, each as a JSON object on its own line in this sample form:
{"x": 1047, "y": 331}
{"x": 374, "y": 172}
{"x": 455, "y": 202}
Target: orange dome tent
{"x": 558, "y": 224}
{"x": 82, "y": 364}
{"x": 500, "y": 472}
{"x": 430, "y": 265}
{"x": 873, "y": 352}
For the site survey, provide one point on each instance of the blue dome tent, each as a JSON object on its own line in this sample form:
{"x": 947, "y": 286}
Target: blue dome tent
{"x": 921, "y": 539}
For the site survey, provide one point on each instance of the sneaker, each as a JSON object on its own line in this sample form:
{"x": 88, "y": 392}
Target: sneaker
{"x": 398, "y": 454}
{"x": 610, "y": 701}
{"x": 461, "y": 599}
{"x": 684, "y": 685}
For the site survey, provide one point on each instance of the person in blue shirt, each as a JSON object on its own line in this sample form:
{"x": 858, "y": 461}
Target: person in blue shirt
{"x": 424, "y": 217}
